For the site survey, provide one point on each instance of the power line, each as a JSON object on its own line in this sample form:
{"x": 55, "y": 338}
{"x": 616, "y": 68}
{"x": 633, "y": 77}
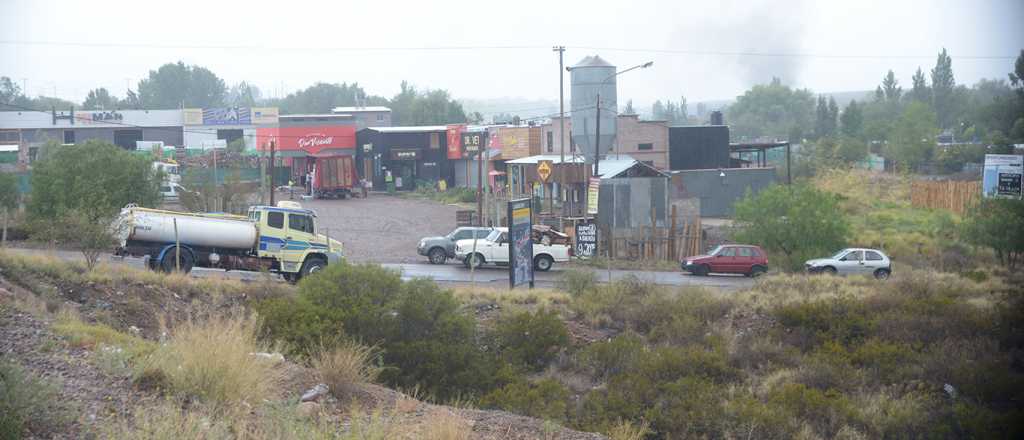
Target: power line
{"x": 670, "y": 51}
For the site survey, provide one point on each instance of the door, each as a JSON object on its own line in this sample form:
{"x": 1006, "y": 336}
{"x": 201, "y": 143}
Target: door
{"x": 744, "y": 259}
{"x": 499, "y": 250}
{"x": 299, "y": 237}
{"x": 724, "y": 262}
{"x": 851, "y": 263}
{"x": 872, "y": 262}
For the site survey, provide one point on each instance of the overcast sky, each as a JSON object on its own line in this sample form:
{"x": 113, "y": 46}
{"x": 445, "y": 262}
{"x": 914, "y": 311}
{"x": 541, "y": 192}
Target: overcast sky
{"x": 73, "y": 46}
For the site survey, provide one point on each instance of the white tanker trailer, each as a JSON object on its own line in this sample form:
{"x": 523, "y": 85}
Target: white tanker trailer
{"x": 273, "y": 238}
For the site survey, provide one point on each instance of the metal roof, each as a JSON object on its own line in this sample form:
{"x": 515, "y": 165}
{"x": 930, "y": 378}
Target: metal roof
{"x": 34, "y": 119}
{"x": 376, "y": 108}
{"x": 554, "y": 158}
{"x": 7, "y": 148}
{"x": 410, "y": 129}
{"x": 592, "y": 61}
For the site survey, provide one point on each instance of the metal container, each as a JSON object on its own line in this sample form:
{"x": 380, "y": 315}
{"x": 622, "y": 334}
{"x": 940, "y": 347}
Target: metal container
{"x": 154, "y": 226}
{"x": 591, "y": 77}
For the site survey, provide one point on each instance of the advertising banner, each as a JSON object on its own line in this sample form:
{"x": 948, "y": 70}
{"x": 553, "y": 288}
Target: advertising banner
{"x": 264, "y": 115}
{"x": 593, "y": 191}
{"x": 454, "y": 134}
{"x": 227, "y": 116}
{"x": 586, "y": 240}
{"x": 1002, "y": 175}
{"x": 520, "y": 250}
{"x": 474, "y": 141}
{"x": 311, "y": 140}
{"x": 192, "y": 116}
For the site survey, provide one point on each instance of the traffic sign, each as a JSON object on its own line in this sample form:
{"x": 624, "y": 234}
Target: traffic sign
{"x": 544, "y": 170}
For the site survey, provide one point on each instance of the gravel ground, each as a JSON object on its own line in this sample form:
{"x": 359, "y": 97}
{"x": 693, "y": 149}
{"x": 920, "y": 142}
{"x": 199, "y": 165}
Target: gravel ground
{"x": 383, "y": 228}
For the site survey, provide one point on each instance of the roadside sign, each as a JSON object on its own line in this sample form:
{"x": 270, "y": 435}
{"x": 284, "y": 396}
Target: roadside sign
{"x": 473, "y": 141}
{"x": 1002, "y": 175}
{"x": 520, "y": 241}
{"x": 593, "y": 190}
{"x": 544, "y": 170}
{"x": 586, "y": 240}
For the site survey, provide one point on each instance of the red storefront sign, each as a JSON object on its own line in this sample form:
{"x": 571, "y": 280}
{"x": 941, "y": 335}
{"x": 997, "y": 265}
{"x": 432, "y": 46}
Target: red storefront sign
{"x": 311, "y": 140}
{"x": 455, "y": 140}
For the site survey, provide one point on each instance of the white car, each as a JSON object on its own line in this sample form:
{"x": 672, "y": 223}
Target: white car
{"x": 494, "y": 250}
{"x": 171, "y": 191}
{"x": 853, "y": 261}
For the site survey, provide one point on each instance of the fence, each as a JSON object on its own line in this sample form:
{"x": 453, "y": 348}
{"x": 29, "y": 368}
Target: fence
{"x": 678, "y": 240}
{"x": 951, "y": 195}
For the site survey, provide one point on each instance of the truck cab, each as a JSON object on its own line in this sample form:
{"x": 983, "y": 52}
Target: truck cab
{"x": 287, "y": 235}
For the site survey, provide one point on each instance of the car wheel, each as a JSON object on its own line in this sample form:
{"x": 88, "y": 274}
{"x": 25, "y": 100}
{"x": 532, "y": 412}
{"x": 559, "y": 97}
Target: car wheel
{"x": 437, "y": 256}
{"x": 702, "y": 270}
{"x": 829, "y": 270}
{"x": 757, "y": 271}
{"x": 170, "y": 263}
{"x": 312, "y": 266}
{"x": 543, "y": 263}
{"x": 882, "y": 274}
{"x": 475, "y": 260}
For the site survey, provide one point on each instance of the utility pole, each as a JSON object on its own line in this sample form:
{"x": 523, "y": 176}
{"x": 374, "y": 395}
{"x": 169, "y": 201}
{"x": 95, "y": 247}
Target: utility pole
{"x": 480, "y": 185}
{"x": 561, "y": 133}
{"x": 597, "y": 136}
{"x": 271, "y": 167}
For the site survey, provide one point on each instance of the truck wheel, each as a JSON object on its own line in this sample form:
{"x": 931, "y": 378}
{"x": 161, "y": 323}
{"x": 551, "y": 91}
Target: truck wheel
{"x": 437, "y": 256}
{"x": 474, "y": 260}
{"x": 169, "y": 262}
{"x": 542, "y": 263}
{"x": 290, "y": 277}
{"x": 312, "y": 266}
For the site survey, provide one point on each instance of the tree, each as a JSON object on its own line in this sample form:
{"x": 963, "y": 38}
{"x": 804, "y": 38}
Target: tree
{"x": 833, "y": 116}
{"x": 998, "y": 224}
{"x": 324, "y": 97}
{"x": 772, "y": 110}
{"x": 8, "y": 201}
{"x": 412, "y": 107}
{"x": 629, "y": 108}
{"x": 920, "y": 92}
{"x": 912, "y": 140}
{"x": 74, "y": 229}
{"x": 821, "y": 115}
{"x": 943, "y": 85}
{"x": 798, "y": 221}
{"x": 93, "y": 179}
{"x": 99, "y": 99}
{"x": 9, "y": 91}
{"x": 242, "y": 94}
{"x": 891, "y": 87}
{"x": 174, "y": 85}
{"x": 852, "y": 120}
{"x": 658, "y": 111}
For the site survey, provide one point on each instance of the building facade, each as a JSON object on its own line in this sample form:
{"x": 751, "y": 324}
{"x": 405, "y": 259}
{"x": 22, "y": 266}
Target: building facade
{"x": 410, "y": 155}
{"x": 32, "y": 129}
{"x": 367, "y": 116}
{"x": 216, "y": 127}
{"x": 645, "y": 141}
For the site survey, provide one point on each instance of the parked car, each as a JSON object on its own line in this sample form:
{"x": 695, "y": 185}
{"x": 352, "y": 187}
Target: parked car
{"x": 853, "y": 261}
{"x": 748, "y": 260}
{"x": 171, "y": 191}
{"x": 494, "y": 250}
{"x": 440, "y": 249}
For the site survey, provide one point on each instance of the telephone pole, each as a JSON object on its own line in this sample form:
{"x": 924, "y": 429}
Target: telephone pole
{"x": 561, "y": 121}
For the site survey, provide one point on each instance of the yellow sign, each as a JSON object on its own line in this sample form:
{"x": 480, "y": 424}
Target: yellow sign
{"x": 544, "y": 170}
{"x": 593, "y": 192}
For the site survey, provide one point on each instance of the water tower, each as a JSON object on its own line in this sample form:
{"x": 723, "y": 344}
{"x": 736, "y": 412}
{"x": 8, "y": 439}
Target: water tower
{"x": 593, "y": 77}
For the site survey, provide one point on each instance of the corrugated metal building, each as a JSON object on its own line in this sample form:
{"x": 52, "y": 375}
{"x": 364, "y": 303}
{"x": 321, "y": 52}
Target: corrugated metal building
{"x": 698, "y": 147}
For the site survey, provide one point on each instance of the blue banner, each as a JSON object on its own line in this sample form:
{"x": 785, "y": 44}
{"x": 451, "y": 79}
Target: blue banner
{"x": 520, "y": 251}
{"x": 227, "y": 116}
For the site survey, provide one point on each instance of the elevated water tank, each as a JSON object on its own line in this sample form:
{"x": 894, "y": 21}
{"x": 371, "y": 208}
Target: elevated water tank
{"x": 590, "y": 77}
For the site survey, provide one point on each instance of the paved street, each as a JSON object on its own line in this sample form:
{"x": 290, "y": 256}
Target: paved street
{"x": 451, "y": 273}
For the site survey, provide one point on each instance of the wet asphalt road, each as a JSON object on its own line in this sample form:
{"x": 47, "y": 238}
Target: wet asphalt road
{"x": 450, "y": 273}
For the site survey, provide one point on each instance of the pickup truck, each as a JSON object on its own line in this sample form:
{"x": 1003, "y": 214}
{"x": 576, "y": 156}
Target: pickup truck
{"x": 494, "y": 250}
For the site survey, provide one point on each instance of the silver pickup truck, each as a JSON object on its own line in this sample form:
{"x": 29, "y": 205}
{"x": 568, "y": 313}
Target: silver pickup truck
{"x": 440, "y": 249}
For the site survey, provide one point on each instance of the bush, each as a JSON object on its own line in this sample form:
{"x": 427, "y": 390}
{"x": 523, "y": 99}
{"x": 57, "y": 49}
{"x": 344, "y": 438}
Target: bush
{"x": 825, "y": 411}
{"x": 300, "y": 325}
{"x": 27, "y": 403}
{"x": 608, "y": 358}
{"x": 546, "y": 399}
{"x": 213, "y": 361}
{"x": 578, "y": 281}
{"x": 343, "y": 365}
{"x": 531, "y": 340}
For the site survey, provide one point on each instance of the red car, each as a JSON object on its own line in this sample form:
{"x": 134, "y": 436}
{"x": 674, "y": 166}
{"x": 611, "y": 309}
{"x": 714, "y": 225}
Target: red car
{"x": 729, "y": 258}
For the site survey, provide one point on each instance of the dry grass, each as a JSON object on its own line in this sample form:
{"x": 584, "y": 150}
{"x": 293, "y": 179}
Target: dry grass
{"x": 212, "y": 360}
{"x": 345, "y": 365}
{"x": 626, "y": 430}
{"x": 443, "y": 424}
{"x": 91, "y": 336}
{"x": 513, "y": 298}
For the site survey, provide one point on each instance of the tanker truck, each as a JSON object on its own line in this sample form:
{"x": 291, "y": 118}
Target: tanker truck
{"x": 280, "y": 239}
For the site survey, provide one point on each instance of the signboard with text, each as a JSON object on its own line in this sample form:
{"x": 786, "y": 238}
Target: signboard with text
{"x": 454, "y": 136}
{"x": 593, "y": 191}
{"x": 586, "y": 240}
{"x": 311, "y": 140}
{"x": 1002, "y": 175}
{"x": 520, "y": 249}
{"x": 227, "y": 116}
{"x": 474, "y": 141}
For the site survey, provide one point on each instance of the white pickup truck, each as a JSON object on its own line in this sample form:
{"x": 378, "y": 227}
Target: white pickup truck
{"x": 494, "y": 250}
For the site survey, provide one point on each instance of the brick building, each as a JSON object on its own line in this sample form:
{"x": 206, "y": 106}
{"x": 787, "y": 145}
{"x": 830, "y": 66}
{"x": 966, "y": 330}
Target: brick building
{"x": 645, "y": 141}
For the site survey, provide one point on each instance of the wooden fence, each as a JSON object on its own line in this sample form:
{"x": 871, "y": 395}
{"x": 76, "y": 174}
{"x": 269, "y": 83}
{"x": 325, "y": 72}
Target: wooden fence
{"x": 679, "y": 240}
{"x": 951, "y": 195}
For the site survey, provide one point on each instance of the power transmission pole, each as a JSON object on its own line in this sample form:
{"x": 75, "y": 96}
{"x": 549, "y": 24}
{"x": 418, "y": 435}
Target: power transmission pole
{"x": 561, "y": 121}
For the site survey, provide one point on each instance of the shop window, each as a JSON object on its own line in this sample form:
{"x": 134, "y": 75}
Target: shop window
{"x": 69, "y": 137}
{"x": 9, "y": 136}
{"x": 275, "y": 220}
{"x": 645, "y": 147}
{"x": 435, "y": 141}
{"x": 551, "y": 142}
{"x": 380, "y": 117}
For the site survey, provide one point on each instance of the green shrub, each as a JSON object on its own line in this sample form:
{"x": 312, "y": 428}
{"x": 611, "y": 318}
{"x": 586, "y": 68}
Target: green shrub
{"x": 608, "y": 358}
{"x": 531, "y": 340}
{"x": 27, "y": 403}
{"x": 578, "y": 281}
{"x": 844, "y": 320}
{"x": 546, "y": 399}
{"x": 825, "y": 411}
{"x": 298, "y": 323}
